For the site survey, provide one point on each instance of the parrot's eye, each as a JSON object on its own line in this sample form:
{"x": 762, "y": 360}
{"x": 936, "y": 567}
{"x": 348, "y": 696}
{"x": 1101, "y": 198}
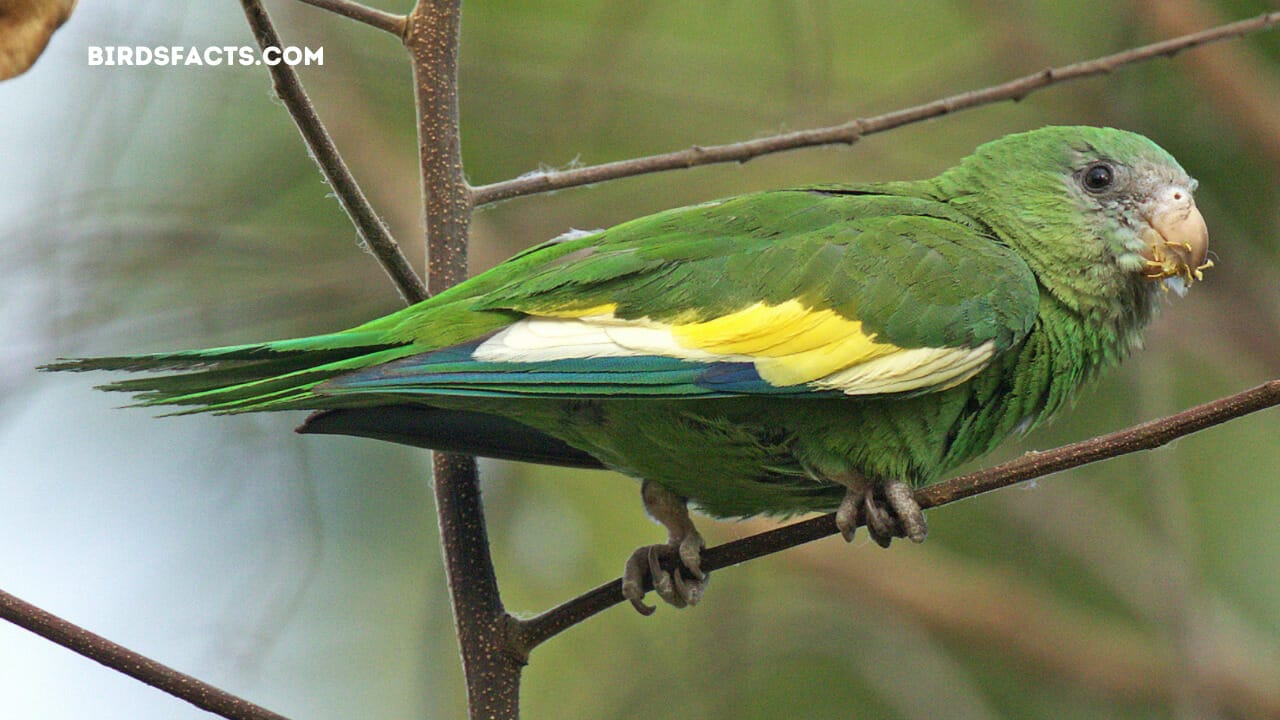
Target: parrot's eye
{"x": 1098, "y": 177}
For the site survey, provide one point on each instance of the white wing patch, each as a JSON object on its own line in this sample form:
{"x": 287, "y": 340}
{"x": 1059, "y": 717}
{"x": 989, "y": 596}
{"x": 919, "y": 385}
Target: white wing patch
{"x": 538, "y": 339}
{"x": 913, "y": 369}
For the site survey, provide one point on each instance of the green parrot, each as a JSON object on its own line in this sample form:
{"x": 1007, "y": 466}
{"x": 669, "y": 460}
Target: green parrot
{"x": 822, "y": 348}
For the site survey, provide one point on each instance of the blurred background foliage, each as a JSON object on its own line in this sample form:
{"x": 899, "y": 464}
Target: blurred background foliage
{"x": 156, "y": 208}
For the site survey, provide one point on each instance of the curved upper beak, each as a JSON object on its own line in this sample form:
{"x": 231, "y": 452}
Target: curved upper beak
{"x": 1177, "y": 240}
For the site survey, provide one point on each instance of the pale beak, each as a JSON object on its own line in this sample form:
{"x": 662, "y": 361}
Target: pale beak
{"x": 1177, "y": 240}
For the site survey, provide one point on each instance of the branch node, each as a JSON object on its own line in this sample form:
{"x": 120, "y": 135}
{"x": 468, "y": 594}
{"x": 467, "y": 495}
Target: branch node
{"x": 517, "y": 646}
{"x": 373, "y": 17}
{"x": 849, "y": 133}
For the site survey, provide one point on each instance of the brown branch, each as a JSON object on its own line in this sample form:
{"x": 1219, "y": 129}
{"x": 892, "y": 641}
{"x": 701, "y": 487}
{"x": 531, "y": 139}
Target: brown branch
{"x": 126, "y": 661}
{"x": 1146, "y": 436}
{"x": 854, "y": 130}
{"x": 1239, "y": 83}
{"x": 1002, "y": 612}
{"x": 390, "y": 22}
{"x": 491, "y": 662}
{"x": 494, "y": 645}
{"x": 372, "y": 230}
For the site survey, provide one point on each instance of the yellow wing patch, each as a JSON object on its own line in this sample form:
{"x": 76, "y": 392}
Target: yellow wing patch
{"x": 788, "y": 343}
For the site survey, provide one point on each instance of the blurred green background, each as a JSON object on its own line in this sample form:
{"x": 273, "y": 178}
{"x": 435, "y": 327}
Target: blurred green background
{"x": 156, "y": 208}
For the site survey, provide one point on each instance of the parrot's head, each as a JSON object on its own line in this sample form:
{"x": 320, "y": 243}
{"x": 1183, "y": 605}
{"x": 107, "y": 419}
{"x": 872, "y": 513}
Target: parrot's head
{"x": 1128, "y": 203}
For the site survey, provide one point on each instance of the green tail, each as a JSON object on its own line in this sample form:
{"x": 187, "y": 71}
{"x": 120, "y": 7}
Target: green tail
{"x": 282, "y": 375}
{"x": 244, "y": 378}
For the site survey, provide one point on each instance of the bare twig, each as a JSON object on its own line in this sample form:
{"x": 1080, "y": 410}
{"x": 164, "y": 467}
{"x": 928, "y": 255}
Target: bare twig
{"x": 123, "y": 660}
{"x": 854, "y": 130}
{"x": 494, "y": 645}
{"x": 491, "y": 662}
{"x": 1239, "y": 83}
{"x": 368, "y": 224}
{"x": 380, "y": 19}
{"x": 1146, "y": 436}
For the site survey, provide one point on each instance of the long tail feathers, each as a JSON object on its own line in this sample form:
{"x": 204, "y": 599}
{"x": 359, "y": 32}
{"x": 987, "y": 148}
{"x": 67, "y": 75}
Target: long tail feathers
{"x": 241, "y": 378}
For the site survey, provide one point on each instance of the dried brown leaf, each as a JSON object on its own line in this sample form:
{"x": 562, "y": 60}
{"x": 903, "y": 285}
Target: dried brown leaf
{"x": 25, "y": 29}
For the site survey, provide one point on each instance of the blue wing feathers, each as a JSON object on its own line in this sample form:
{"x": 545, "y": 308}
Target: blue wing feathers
{"x": 452, "y": 372}
{"x": 741, "y": 378}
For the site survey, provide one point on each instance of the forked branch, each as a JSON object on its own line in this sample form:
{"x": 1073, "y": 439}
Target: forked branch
{"x": 494, "y": 644}
{"x": 491, "y": 668}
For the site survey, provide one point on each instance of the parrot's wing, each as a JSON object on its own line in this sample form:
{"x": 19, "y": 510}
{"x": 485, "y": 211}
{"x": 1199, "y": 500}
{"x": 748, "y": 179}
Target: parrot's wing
{"x": 809, "y": 292}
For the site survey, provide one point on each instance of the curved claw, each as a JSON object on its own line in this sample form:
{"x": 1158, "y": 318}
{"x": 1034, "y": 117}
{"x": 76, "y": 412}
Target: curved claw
{"x": 633, "y": 575}
{"x": 849, "y": 516}
{"x": 889, "y": 510}
{"x": 881, "y": 525}
{"x": 683, "y": 586}
{"x": 690, "y": 551}
{"x": 911, "y": 524}
{"x": 668, "y": 585}
{"x": 674, "y": 588}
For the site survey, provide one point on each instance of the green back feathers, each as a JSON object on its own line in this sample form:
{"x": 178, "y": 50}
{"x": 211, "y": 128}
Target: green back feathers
{"x": 942, "y": 263}
{"x": 911, "y": 269}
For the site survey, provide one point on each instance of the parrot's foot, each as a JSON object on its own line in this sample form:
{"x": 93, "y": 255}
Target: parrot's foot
{"x": 673, "y": 587}
{"x": 683, "y": 586}
{"x": 889, "y": 510}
